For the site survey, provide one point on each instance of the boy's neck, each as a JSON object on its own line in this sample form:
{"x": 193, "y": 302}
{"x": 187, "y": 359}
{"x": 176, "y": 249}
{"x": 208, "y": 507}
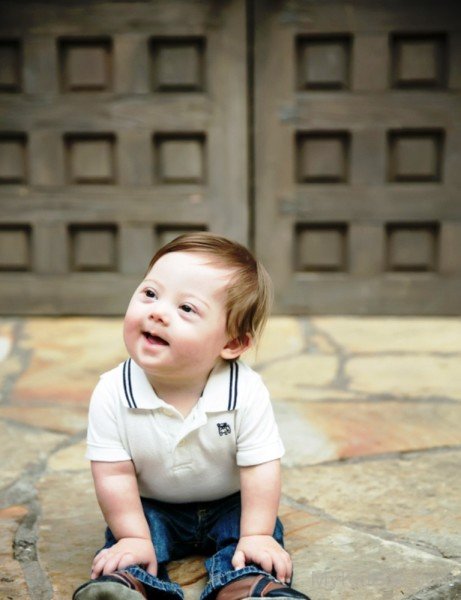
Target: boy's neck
{"x": 182, "y": 395}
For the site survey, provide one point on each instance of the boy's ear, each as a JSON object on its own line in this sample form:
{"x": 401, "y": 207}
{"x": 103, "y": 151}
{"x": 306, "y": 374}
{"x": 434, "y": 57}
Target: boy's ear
{"x": 234, "y": 348}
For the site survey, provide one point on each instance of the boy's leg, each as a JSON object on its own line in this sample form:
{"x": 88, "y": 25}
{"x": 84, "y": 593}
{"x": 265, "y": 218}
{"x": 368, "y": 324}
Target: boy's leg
{"x": 225, "y": 583}
{"x": 135, "y": 579}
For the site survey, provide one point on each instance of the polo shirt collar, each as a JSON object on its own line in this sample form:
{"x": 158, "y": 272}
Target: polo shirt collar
{"x": 220, "y": 393}
{"x": 136, "y": 391}
{"x": 221, "y": 390}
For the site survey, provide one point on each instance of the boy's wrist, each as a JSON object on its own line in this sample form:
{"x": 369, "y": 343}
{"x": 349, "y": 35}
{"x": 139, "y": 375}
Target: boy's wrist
{"x": 135, "y": 537}
{"x": 247, "y": 534}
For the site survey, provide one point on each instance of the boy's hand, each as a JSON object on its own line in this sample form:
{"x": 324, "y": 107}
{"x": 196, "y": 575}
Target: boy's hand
{"x": 125, "y": 553}
{"x": 266, "y": 552}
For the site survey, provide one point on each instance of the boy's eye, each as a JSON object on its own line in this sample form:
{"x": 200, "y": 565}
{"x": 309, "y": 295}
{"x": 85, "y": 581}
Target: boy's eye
{"x": 150, "y": 293}
{"x": 186, "y": 308}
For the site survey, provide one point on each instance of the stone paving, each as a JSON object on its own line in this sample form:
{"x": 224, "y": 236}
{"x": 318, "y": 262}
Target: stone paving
{"x": 370, "y": 411}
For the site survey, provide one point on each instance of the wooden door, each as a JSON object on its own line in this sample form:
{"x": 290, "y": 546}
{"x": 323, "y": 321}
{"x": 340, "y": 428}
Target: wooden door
{"x": 121, "y": 125}
{"x": 358, "y": 154}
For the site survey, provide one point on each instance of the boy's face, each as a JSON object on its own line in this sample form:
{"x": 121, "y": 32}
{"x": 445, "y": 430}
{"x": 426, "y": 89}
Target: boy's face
{"x": 175, "y": 325}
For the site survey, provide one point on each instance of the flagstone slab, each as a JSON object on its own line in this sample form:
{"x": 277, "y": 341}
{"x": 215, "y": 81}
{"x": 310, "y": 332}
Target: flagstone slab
{"x": 319, "y": 431}
{"x": 282, "y": 336}
{"x": 287, "y": 378}
{"x": 335, "y": 562}
{"x": 415, "y": 498}
{"x": 12, "y": 582}
{"x": 305, "y": 443}
{"x": 71, "y": 529}
{"x": 69, "y": 355}
{"x": 393, "y": 334}
{"x": 61, "y": 419}
{"x": 71, "y": 458}
{"x": 21, "y": 448}
{"x": 414, "y": 376}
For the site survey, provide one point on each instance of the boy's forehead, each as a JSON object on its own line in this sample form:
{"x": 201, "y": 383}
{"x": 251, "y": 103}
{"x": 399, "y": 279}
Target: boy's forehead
{"x": 200, "y": 260}
{"x": 192, "y": 268}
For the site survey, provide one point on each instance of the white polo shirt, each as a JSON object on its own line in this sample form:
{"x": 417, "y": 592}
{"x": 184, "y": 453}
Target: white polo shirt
{"x": 179, "y": 459}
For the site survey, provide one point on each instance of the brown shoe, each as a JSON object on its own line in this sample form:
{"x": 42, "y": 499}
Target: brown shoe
{"x": 258, "y": 586}
{"x": 121, "y": 585}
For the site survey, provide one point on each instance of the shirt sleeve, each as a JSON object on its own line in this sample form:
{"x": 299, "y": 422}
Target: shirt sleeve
{"x": 104, "y": 442}
{"x": 258, "y": 438}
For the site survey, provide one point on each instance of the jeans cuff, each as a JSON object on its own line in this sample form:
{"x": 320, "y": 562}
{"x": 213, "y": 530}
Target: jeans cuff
{"x": 167, "y": 587}
{"x": 220, "y": 581}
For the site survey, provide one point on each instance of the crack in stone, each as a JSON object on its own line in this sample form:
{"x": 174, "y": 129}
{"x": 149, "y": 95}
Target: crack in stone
{"x": 260, "y": 366}
{"x": 449, "y": 589}
{"x": 397, "y": 353}
{"x": 23, "y": 492}
{"x": 69, "y": 441}
{"x": 25, "y": 552}
{"x": 398, "y": 455}
{"x": 364, "y": 397}
{"x": 341, "y": 381}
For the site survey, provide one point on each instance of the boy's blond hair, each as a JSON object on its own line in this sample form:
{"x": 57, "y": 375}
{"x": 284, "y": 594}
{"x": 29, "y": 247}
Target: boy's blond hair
{"x": 249, "y": 293}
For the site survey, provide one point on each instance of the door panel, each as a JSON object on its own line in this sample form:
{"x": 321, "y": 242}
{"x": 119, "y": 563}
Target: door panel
{"x": 121, "y": 125}
{"x": 358, "y": 138}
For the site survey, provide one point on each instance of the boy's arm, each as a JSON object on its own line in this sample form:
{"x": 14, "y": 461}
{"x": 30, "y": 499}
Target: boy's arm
{"x": 260, "y": 489}
{"x": 118, "y": 496}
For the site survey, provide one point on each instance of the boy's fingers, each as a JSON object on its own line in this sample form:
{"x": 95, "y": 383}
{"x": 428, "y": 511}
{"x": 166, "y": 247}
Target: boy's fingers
{"x": 282, "y": 569}
{"x": 126, "y": 560}
{"x": 238, "y": 560}
{"x": 279, "y": 568}
{"x": 152, "y": 568}
{"x": 266, "y": 562}
{"x": 111, "y": 564}
{"x": 289, "y": 575}
{"x": 97, "y": 567}
{"x": 97, "y": 558}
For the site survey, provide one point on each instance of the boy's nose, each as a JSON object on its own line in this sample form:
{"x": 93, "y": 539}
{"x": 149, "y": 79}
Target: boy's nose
{"x": 159, "y": 313}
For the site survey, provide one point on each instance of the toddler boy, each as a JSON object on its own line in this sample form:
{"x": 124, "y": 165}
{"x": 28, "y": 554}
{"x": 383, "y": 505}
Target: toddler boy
{"x": 184, "y": 449}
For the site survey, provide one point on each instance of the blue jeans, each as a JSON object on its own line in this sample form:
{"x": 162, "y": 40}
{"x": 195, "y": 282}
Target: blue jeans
{"x": 179, "y": 530}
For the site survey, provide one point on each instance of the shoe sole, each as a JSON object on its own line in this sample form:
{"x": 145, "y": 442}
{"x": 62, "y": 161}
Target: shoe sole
{"x": 107, "y": 591}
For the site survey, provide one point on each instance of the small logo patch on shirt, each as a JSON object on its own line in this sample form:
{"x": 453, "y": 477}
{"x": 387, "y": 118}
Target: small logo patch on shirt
{"x": 224, "y": 429}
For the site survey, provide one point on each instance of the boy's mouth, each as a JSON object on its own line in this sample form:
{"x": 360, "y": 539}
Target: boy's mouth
{"x": 155, "y": 339}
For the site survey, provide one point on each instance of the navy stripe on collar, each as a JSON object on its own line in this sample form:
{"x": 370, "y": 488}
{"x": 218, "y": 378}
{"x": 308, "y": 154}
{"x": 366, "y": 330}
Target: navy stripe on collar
{"x": 127, "y": 384}
{"x": 233, "y": 383}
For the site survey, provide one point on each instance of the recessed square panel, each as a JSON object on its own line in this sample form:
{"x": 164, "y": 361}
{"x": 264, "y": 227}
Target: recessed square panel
{"x": 90, "y": 158}
{"x": 13, "y": 163}
{"x": 419, "y": 61}
{"x": 180, "y": 158}
{"x": 322, "y": 157}
{"x": 178, "y": 64}
{"x": 85, "y": 65}
{"x": 15, "y": 252}
{"x": 321, "y": 247}
{"x": 412, "y": 247}
{"x": 167, "y": 233}
{"x": 10, "y": 66}
{"x": 323, "y": 63}
{"x": 415, "y": 156}
{"x": 93, "y": 247}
